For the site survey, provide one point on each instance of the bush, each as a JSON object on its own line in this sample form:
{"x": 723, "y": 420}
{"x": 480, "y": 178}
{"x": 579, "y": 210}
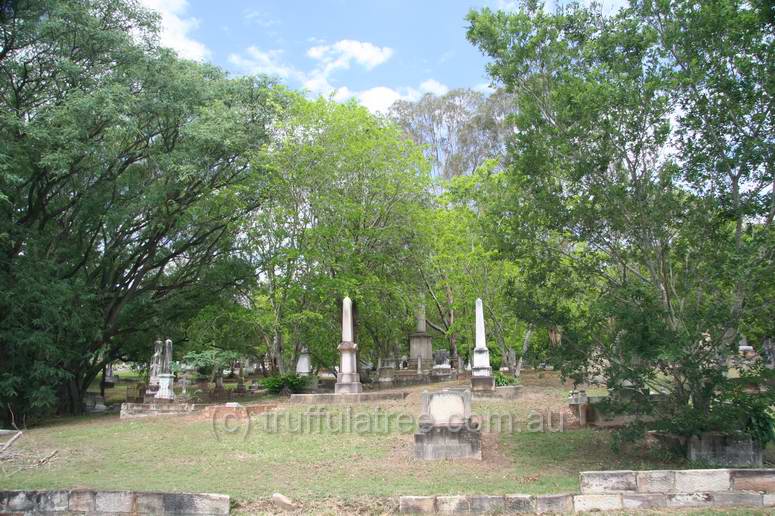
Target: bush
{"x": 279, "y": 383}
{"x": 502, "y": 380}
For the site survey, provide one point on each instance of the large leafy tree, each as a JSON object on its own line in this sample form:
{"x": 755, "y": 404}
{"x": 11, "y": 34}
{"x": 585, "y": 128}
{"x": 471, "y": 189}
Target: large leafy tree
{"x": 124, "y": 173}
{"x": 345, "y": 195}
{"x": 642, "y": 163}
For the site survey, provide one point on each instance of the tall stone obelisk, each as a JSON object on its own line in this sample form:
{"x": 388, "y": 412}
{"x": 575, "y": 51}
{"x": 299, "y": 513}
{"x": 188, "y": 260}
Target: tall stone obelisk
{"x": 348, "y": 381}
{"x": 420, "y": 344}
{"x": 481, "y": 372}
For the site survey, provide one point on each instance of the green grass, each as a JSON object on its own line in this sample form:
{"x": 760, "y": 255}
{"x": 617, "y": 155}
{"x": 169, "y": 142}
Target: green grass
{"x": 176, "y": 454}
{"x": 187, "y": 454}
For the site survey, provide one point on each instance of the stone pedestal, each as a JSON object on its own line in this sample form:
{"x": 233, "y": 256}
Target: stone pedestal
{"x": 447, "y": 429}
{"x": 482, "y": 383}
{"x": 420, "y": 343}
{"x": 421, "y": 346}
{"x": 165, "y": 387}
{"x": 348, "y": 381}
{"x": 386, "y": 374}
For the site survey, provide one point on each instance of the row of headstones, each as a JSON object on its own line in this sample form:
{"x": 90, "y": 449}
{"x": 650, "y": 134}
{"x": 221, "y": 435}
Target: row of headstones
{"x": 348, "y": 381}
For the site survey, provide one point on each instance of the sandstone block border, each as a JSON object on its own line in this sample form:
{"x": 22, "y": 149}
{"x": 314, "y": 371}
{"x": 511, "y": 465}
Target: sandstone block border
{"x": 86, "y": 501}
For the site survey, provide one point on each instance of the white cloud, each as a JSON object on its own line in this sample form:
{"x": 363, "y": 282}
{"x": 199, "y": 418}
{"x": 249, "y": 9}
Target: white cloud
{"x": 332, "y": 57}
{"x": 175, "y": 29}
{"x": 433, "y": 86}
{"x": 260, "y": 62}
{"x": 343, "y": 52}
{"x": 378, "y": 99}
{"x": 329, "y": 58}
{"x": 259, "y": 18}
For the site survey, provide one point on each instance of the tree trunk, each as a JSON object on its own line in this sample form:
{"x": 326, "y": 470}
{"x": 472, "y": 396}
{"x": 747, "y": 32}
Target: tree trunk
{"x": 277, "y": 351}
{"x": 525, "y": 346}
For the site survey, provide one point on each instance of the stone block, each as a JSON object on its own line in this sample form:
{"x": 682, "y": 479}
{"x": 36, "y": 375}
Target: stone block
{"x": 453, "y": 504}
{"x": 598, "y": 482}
{"x": 18, "y": 501}
{"x": 682, "y": 500}
{"x": 482, "y": 383}
{"x": 114, "y": 501}
{"x": 753, "y": 480}
{"x": 51, "y": 501}
{"x": 656, "y": 481}
{"x": 417, "y": 504}
{"x": 519, "y": 503}
{"x": 448, "y": 443}
{"x": 149, "y": 503}
{"x": 82, "y": 501}
{"x": 597, "y": 502}
{"x": 185, "y": 503}
{"x": 768, "y": 500}
{"x": 559, "y": 503}
{"x": 725, "y": 450}
{"x": 702, "y": 480}
{"x": 481, "y": 504}
{"x": 732, "y": 499}
{"x": 644, "y": 501}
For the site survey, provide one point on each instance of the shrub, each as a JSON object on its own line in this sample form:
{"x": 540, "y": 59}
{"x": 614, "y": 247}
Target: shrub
{"x": 278, "y": 383}
{"x": 502, "y": 380}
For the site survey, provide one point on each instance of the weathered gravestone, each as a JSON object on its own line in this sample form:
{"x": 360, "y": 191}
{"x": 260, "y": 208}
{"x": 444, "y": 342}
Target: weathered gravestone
{"x": 447, "y": 429}
{"x": 166, "y": 378}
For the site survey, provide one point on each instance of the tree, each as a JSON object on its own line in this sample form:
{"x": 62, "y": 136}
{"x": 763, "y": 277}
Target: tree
{"x": 345, "y": 193}
{"x": 459, "y": 130}
{"x": 125, "y": 172}
{"x": 617, "y": 179}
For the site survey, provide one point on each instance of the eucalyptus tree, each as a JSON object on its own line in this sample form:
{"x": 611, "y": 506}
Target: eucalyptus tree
{"x": 459, "y": 130}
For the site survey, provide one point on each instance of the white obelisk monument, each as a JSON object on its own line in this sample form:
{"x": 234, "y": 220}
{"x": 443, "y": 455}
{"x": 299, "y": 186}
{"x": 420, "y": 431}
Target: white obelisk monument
{"x": 481, "y": 372}
{"x": 348, "y": 381}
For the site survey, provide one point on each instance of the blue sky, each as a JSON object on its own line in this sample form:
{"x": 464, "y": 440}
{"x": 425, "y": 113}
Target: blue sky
{"x": 376, "y": 51}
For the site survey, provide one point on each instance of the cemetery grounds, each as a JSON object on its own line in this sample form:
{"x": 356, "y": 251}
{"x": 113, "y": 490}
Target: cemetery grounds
{"x": 324, "y": 470}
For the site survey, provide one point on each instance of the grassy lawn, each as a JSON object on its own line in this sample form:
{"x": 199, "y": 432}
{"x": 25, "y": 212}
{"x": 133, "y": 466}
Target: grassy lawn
{"x": 195, "y": 454}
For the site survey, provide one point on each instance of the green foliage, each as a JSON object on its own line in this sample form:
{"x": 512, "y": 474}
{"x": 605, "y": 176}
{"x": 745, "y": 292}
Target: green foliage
{"x": 284, "y": 382}
{"x": 502, "y": 379}
{"x": 124, "y": 174}
{"x": 637, "y": 196}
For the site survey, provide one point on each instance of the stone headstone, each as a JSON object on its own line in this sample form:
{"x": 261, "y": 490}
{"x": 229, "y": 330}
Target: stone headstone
{"x": 447, "y": 428}
{"x": 447, "y": 407}
{"x": 304, "y": 364}
{"x": 441, "y": 357}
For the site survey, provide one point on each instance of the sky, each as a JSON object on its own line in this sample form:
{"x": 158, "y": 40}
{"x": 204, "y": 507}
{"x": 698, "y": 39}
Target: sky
{"x": 376, "y": 51}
